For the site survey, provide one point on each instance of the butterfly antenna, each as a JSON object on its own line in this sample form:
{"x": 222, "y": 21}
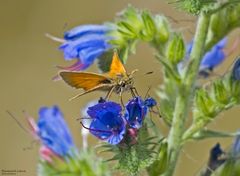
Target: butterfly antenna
{"x": 76, "y": 96}
{"x": 31, "y": 146}
{"x": 147, "y": 93}
{"x": 134, "y": 71}
{"x": 96, "y": 130}
{"x": 17, "y": 121}
{"x": 109, "y": 93}
{"x": 82, "y": 118}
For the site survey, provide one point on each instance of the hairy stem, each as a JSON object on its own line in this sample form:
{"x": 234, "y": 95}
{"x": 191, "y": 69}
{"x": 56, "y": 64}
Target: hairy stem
{"x": 186, "y": 92}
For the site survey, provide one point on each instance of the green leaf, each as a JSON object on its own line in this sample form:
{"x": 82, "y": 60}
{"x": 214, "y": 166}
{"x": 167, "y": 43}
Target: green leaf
{"x": 169, "y": 70}
{"x": 149, "y": 29}
{"x": 195, "y": 6}
{"x": 85, "y": 164}
{"x": 220, "y": 95}
{"x": 160, "y": 165}
{"x": 126, "y": 29}
{"x": 175, "y": 51}
{"x": 220, "y": 92}
{"x": 205, "y": 103}
{"x": 222, "y": 23}
{"x": 132, "y": 16}
{"x": 228, "y": 169}
{"x": 163, "y": 31}
{"x": 205, "y": 133}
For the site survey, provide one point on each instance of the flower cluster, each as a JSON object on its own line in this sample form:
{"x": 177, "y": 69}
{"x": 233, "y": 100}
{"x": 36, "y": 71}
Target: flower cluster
{"x": 110, "y": 125}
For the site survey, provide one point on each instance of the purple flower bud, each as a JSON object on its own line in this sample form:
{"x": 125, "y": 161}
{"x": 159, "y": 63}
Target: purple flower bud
{"x": 135, "y": 112}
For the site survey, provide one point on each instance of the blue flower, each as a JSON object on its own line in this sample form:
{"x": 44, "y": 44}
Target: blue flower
{"x": 211, "y": 59}
{"x": 215, "y": 159}
{"x": 53, "y": 131}
{"x": 215, "y": 152}
{"x": 110, "y": 125}
{"x": 107, "y": 122}
{"x": 135, "y": 112}
{"x": 82, "y": 30}
{"x": 85, "y": 43}
{"x": 236, "y": 70}
{"x": 215, "y": 56}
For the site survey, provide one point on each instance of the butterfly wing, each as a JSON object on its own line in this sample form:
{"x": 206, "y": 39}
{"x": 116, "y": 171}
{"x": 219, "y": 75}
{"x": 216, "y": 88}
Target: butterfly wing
{"x": 116, "y": 67}
{"x": 84, "y": 80}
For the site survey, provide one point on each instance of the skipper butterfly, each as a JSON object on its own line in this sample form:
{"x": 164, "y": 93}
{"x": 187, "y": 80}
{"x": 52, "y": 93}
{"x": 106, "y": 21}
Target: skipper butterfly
{"x": 116, "y": 80}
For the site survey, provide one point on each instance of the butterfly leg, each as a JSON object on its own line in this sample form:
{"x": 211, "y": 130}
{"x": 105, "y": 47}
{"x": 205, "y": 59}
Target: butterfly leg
{"x": 121, "y": 100}
{"x": 156, "y": 112}
{"x": 109, "y": 93}
{"x": 134, "y": 92}
{"x": 151, "y": 121}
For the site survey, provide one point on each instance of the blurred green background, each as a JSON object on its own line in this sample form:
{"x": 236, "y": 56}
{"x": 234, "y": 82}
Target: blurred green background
{"x": 27, "y": 64}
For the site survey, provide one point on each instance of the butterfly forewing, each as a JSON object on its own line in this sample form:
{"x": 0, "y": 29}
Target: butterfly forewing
{"x": 116, "y": 67}
{"x": 84, "y": 80}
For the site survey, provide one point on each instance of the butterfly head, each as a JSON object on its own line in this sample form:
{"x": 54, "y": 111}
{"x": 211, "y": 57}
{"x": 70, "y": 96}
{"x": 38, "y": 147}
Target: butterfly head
{"x": 126, "y": 83}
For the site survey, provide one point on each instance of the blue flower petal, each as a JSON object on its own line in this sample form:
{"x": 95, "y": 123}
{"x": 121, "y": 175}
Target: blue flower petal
{"x": 215, "y": 152}
{"x": 91, "y": 53}
{"x": 222, "y": 43}
{"x": 107, "y": 123}
{"x": 150, "y": 102}
{"x": 212, "y": 58}
{"x": 135, "y": 112}
{"x": 72, "y": 49}
{"x": 236, "y": 70}
{"x": 99, "y": 109}
{"x": 80, "y": 31}
{"x": 236, "y": 146}
{"x": 189, "y": 48}
{"x": 117, "y": 138}
{"x": 53, "y": 131}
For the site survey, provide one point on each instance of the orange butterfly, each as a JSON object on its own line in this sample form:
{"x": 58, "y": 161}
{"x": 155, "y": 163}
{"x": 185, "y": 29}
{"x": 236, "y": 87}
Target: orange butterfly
{"x": 116, "y": 80}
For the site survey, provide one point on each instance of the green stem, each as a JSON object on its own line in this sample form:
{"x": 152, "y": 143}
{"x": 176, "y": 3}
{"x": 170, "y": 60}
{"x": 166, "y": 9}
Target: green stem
{"x": 185, "y": 94}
